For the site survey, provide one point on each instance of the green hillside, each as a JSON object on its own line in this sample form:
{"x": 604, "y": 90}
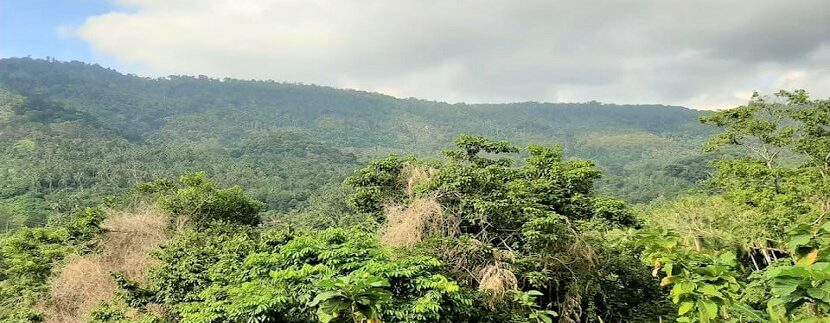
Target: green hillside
{"x": 181, "y": 199}
{"x": 76, "y": 131}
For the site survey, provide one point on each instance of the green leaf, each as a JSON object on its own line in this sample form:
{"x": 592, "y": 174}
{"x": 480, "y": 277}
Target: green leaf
{"x": 710, "y": 290}
{"x": 324, "y": 296}
{"x": 685, "y": 307}
{"x": 707, "y": 309}
{"x": 820, "y": 271}
{"x": 821, "y": 292}
{"x": 668, "y": 268}
{"x": 751, "y": 314}
{"x": 682, "y": 288}
{"x": 326, "y": 317}
{"x": 378, "y": 282}
{"x": 776, "y": 311}
{"x": 784, "y": 290}
{"x": 728, "y": 258}
{"x": 793, "y": 271}
{"x": 799, "y": 240}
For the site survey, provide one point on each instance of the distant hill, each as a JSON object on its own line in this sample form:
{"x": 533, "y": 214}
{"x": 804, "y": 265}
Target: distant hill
{"x": 236, "y": 128}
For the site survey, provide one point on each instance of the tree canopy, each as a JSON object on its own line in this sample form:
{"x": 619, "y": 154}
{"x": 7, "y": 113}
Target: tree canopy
{"x": 276, "y": 202}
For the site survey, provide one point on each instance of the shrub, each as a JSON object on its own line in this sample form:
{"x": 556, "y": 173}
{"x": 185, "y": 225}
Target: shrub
{"x": 198, "y": 201}
{"x": 27, "y": 259}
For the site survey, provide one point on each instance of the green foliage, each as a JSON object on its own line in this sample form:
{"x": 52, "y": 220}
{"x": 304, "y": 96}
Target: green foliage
{"x": 802, "y": 288}
{"x": 711, "y": 286}
{"x": 188, "y": 261}
{"x": 38, "y": 110}
{"x": 772, "y": 212}
{"x": 356, "y": 296}
{"x": 28, "y": 255}
{"x": 114, "y": 311}
{"x": 542, "y": 220}
{"x": 331, "y": 208}
{"x": 22, "y": 210}
{"x": 74, "y": 133}
{"x": 62, "y": 165}
{"x": 751, "y": 246}
{"x": 757, "y": 126}
{"x": 714, "y": 222}
{"x": 200, "y": 201}
{"x": 471, "y": 146}
{"x": 106, "y": 312}
{"x": 536, "y": 314}
{"x": 376, "y": 184}
{"x": 231, "y": 274}
{"x": 704, "y": 285}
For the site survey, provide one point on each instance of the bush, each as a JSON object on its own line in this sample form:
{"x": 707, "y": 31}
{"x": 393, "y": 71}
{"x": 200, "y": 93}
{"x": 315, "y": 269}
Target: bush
{"x": 228, "y": 273}
{"x": 28, "y": 256}
{"x": 199, "y": 201}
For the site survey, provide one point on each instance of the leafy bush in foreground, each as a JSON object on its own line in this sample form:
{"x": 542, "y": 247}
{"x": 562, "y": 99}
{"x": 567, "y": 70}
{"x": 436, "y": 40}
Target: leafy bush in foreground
{"x": 197, "y": 200}
{"x": 235, "y": 274}
{"x": 761, "y": 251}
{"x": 28, "y": 255}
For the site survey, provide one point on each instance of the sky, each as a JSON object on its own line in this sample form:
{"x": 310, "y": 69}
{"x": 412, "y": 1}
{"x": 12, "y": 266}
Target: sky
{"x": 705, "y": 54}
{"x": 41, "y": 28}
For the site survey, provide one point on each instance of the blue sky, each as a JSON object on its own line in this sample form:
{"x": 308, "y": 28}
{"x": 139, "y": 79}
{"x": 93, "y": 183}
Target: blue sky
{"x": 30, "y": 27}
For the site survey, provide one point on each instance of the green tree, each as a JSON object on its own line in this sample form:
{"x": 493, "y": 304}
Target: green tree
{"x": 357, "y": 296}
{"x": 774, "y": 219}
{"x": 200, "y": 201}
{"x": 540, "y": 224}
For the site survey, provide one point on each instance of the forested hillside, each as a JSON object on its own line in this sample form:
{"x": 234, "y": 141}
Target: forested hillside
{"x": 181, "y": 199}
{"x": 74, "y": 133}
{"x": 488, "y": 233}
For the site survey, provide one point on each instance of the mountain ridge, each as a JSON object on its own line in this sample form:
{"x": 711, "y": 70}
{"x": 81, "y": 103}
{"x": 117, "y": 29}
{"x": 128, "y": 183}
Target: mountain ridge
{"x": 330, "y": 87}
{"x": 286, "y": 142}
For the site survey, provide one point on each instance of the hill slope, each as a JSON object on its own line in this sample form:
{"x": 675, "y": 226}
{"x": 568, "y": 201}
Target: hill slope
{"x": 285, "y": 141}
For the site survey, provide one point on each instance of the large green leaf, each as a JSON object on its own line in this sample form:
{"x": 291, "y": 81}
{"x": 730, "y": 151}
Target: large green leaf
{"x": 682, "y": 288}
{"x": 799, "y": 240}
{"x": 708, "y": 310}
{"x": 710, "y": 290}
{"x": 685, "y": 307}
{"x": 822, "y": 292}
{"x": 820, "y": 271}
{"x": 324, "y": 296}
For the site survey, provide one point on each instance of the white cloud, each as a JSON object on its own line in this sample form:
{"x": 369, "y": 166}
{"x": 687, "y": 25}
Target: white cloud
{"x": 64, "y": 31}
{"x": 691, "y": 53}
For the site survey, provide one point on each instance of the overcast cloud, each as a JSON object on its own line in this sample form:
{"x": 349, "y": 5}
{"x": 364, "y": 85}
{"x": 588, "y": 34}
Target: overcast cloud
{"x": 701, "y": 54}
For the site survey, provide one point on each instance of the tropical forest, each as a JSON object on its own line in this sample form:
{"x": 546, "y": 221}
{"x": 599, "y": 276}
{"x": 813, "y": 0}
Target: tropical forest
{"x": 195, "y": 199}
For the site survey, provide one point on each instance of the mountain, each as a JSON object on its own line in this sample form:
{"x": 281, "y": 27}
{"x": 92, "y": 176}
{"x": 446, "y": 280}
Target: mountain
{"x": 72, "y": 130}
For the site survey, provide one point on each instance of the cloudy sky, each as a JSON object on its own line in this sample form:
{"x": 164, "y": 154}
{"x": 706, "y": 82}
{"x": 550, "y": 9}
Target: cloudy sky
{"x": 701, "y": 54}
